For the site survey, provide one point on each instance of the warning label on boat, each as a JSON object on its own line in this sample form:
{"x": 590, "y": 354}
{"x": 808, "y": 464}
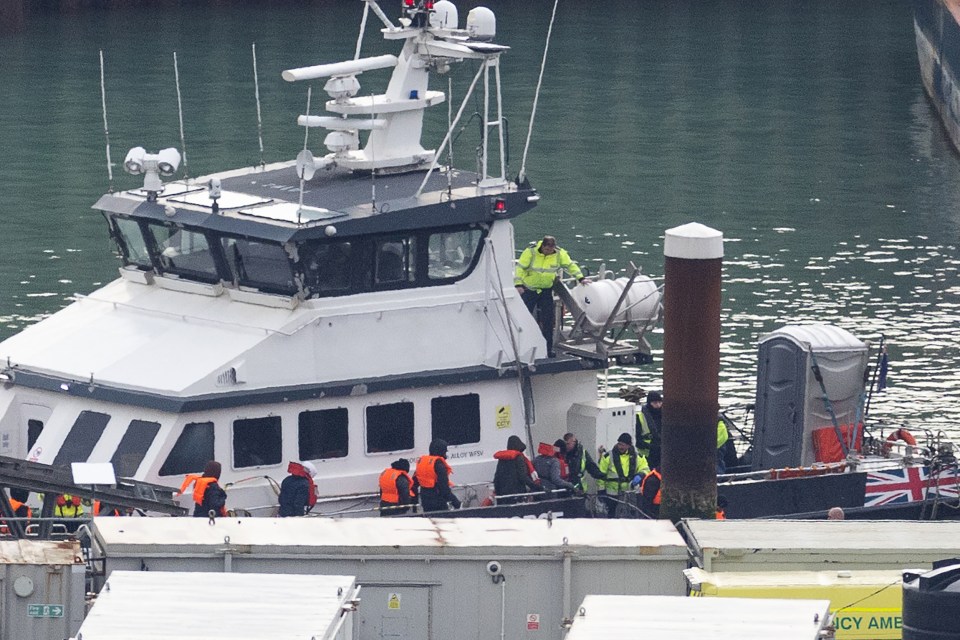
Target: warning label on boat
{"x": 503, "y": 417}
{"x": 393, "y": 601}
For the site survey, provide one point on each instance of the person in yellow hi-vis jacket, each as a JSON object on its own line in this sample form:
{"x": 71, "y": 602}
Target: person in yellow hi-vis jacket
{"x": 537, "y": 270}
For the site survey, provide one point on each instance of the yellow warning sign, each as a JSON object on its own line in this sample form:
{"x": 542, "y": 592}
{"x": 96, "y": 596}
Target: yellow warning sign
{"x": 393, "y": 602}
{"x": 503, "y": 417}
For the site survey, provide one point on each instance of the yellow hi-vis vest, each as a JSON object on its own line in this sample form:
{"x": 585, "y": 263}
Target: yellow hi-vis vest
{"x": 537, "y": 270}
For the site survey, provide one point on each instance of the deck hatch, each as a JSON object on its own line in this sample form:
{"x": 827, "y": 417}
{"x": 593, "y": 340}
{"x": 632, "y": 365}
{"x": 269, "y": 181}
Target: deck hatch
{"x": 290, "y": 212}
{"x": 228, "y": 200}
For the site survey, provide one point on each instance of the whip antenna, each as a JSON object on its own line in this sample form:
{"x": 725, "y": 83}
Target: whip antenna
{"x": 303, "y": 171}
{"x": 256, "y": 92}
{"x": 449, "y": 127}
{"x": 183, "y": 143}
{"x": 536, "y": 96}
{"x": 106, "y": 129}
{"x": 363, "y": 27}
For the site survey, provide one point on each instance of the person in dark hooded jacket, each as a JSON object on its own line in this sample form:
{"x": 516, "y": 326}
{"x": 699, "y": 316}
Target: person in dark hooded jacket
{"x": 298, "y": 492}
{"x": 515, "y": 473}
{"x": 551, "y": 466}
{"x": 433, "y": 477}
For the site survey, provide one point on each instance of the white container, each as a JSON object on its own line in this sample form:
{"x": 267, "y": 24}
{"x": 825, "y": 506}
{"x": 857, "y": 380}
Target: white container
{"x": 680, "y": 618}
{"x": 214, "y": 606}
{"x": 817, "y": 545}
{"x": 599, "y": 298}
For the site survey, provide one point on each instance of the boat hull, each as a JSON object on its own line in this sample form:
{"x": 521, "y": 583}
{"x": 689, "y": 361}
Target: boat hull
{"x": 937, "y": 28}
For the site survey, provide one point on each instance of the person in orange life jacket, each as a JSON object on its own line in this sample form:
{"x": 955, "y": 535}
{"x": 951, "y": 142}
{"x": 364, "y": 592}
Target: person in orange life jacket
{"x": 101, "y": 508}
{"x": 18, "y": 500}
{"x": 537, "y": 270}
{"x": 298, "y": 491}
{"x": 433, "y": 476}
{"x": 722, "y": 507}
{"x": 207, "y": 494}
{"x": 651, "y": 492}
{"x": 515, "y": 473}
{"x": 551, "y": 466}
{"x": 396, "y": 489}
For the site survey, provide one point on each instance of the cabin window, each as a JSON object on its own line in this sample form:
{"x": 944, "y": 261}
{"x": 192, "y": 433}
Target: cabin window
{"x": 194, "y": 448}
{"x": 451, "y": 253}
{"x": 83, "y": 437}
{"x": 133, "y": 447}
{"x": 259, "y": 265}
{"x": 390, "y": 427}
{"x": 327, "y": 267}
{"x": 257, "y": 442}
{"x": 456, "y": 419}
{"x": 132, "y": 244}
{"x": 34, "y": 429}
{"x": 184, "y": 253}
{"x": 394, "y": 262}
{"x": 323, "y": 434}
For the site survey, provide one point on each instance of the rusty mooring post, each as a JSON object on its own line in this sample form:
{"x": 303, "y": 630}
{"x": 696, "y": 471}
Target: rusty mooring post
{"x": 691, "y": 371}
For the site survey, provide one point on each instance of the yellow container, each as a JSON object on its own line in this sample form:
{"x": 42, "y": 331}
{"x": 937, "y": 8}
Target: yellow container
{"x": 865, "y": 605}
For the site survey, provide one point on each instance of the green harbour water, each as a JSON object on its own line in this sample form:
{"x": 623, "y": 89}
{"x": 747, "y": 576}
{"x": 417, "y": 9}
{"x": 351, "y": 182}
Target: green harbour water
{"x": 798, "y": 129}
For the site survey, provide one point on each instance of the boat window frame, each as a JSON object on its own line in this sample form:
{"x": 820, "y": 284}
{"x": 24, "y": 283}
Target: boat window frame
{"x": 131, "y": 436}
{"x": 341, "y": 430}
{"x": 210, "y": 433}
{"x": 119, "y": 239}
{"x": 82, "y": 438}
{"x": 471, "y": 424}
{"x": 213, "y": 246}
{"x": 391, "y": 426}
{"x": 260, "y": 427}
{"x": 362, "y": 261}
{"x": 263, "y": 286}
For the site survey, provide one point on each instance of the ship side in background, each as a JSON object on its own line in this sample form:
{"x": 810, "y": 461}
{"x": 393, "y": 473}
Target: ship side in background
{"x": 937, "y": 26}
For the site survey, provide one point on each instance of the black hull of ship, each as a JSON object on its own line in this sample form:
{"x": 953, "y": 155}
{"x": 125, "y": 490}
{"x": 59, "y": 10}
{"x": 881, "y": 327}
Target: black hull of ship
{"x": 938, "y": 52}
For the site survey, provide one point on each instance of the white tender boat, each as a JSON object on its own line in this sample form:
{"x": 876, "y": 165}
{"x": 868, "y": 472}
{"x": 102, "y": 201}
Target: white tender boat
{"x": 344, "y": 310}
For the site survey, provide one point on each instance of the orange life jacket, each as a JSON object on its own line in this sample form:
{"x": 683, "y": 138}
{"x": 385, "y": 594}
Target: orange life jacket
{"x": 200, "y": 488}
{"x": 16, "y": 504}
{"x": 656, "y": 498}
{"x": 426, "y": 472}
{"x": 721, "y": 515}
{"x": 388, "y": 485}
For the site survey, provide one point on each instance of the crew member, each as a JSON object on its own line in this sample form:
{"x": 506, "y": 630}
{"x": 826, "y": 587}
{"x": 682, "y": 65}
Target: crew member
{"x": 69, "y": 506}
{"x": 579, "y": 463}
{"x": 433, "y": 475}
{"x": 298, "y": 491}
{"x": 537, "y": 270}
{"x": 18, "y": 500}
{"x": 207, "y": 494}
{"x": 620, "y": 468}
{"x": 723, "y": 436}
{"x": 397, "y": 492}
{"x": 649, "y": 428}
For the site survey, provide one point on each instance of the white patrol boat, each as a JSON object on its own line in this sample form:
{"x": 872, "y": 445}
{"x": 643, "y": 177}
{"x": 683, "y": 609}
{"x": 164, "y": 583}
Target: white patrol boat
{"x": 344, "y": 310}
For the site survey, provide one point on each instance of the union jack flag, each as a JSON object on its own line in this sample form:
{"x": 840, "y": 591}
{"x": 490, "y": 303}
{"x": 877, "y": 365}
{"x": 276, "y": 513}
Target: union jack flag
{"x": 912, "y": 484}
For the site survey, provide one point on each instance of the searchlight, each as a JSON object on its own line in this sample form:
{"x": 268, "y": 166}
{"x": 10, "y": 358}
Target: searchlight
{"x": 151, "y": 166}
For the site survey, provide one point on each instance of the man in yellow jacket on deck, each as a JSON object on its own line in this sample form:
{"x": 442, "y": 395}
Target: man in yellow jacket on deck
{"x": 537, "y": 270}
